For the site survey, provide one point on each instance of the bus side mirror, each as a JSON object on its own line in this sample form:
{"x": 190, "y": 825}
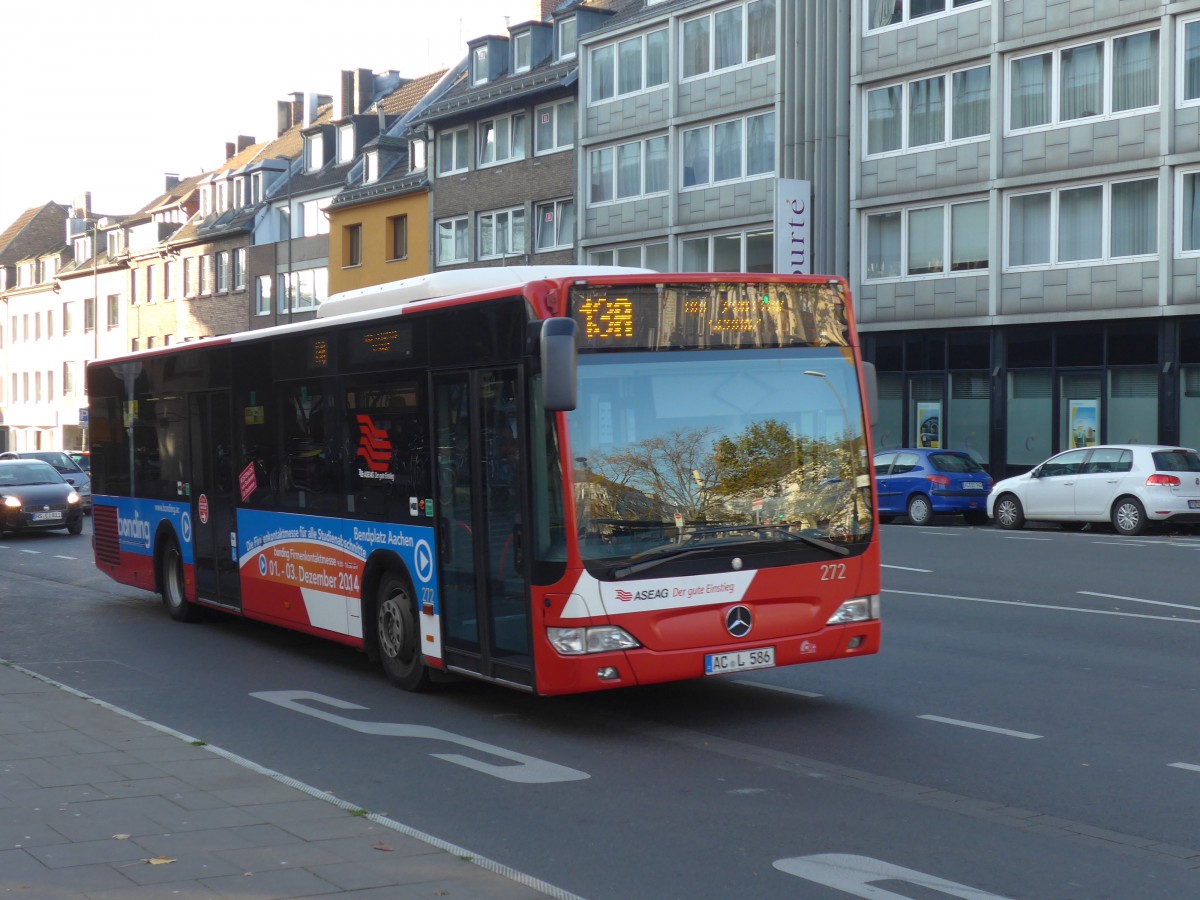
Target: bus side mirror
{"x": 871, "y": 384}
{"x": 559, "y": 364}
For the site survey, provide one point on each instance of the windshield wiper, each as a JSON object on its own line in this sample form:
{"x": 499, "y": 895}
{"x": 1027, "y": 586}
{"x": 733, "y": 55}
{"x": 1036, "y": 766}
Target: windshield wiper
{"x": 665, "y": 555}
{"x": 778, "y": 529}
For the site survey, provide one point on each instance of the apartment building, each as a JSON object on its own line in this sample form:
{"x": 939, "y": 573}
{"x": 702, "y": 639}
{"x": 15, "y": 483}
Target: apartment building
{"x": 1026, "y": 222}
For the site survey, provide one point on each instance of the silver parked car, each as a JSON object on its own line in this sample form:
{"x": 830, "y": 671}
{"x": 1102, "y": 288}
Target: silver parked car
{"x": 1129, "y": 485}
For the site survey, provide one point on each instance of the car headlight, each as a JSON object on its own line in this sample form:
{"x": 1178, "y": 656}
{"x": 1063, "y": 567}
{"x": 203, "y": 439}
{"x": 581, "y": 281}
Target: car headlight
{"x": 595, "y": 639}
{"x": 72, "y": 497}
{"x": 860, "y": 609}
{"x": 12, "y": 502}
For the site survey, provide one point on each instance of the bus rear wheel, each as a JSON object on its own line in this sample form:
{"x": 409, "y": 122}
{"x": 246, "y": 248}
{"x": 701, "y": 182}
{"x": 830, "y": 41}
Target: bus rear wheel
{"x": 171, "y": 577}
{"x": 398, "y": 634}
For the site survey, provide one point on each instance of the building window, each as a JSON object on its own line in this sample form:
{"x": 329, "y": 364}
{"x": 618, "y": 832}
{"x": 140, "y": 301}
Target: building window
{"x": 555, "y": 225}
{"x": 628, "y": 66}
{"x": 1088, "y": 223}
{"x": 206, "y": 274}
{"x": 725, "y": 151}
{"x": 635, "y": 169}
{"x": 168, "y": 278}
{"x": 308, "y": 289}
{"x": 397, "y": 237}
{"x": 654, "y": 255}
{"x": 479, "y": 65}
{"x": 222, "y": 271}
{"x": 736, "y": 252}
{"x": 416, "y": 156}
{"x": 151, "y": 342}
{"x": 262, "y": 295}
{"x": 567, "y": 37}
{"x": 917, "y": 114}
{"x": 521, "y": 57}
{"x": 501, "y": 233}
{"x": 239, "y": 269}
{"x": 1189, "y": 61}
{"x": 920, "y": 240}
{"x": 114, "y": 310}
{"x": 1101, "y": 78}
{"x": 452, "y": 244}
{"x": 313, "y": 214}
{"x": 68, "y": 320}
{"x": 501, "y": 140}
{"x": 314, "y": 152}
{"x": 189, "y": 276}
{"x": 351, "y": 246}
{"x": 728, "y": 37}
{"x": 882, "y": 13}
{"x": 89, "y": 316}
{"x": 346, "y": 147}
{"x": 555, "y": 127}
{"x": 68, "y": 379}
{"x": 452, "y": 151}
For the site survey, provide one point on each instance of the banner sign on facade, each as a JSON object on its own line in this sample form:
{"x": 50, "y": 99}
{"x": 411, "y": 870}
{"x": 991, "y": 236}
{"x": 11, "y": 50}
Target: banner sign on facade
{"x": 793, "y": 199}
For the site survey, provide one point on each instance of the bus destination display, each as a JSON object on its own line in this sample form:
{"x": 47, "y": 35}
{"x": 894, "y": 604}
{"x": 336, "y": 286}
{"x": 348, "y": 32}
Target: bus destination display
{"x": 674, "y": 316}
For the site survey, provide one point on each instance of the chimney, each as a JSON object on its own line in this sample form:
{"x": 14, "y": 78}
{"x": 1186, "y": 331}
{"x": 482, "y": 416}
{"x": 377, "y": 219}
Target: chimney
{"x": 364, "y": 89}
{"x": 312, "y": 103}
{"x": 230, "y": 149}
{"x": 81, "y": 206}
{"x": 345, "y": 107}
{"x": 244, "y": 141}
{"x": 548, "y": 7}
{"x": 172, "y": 181}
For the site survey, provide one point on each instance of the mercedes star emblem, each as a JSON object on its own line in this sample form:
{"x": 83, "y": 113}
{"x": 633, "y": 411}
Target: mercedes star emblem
{"x": 739, "y": 621}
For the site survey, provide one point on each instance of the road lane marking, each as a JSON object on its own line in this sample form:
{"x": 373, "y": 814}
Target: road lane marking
{"x": 775, "y": 687}
{"x": 1017, "y": 537}
{"x": 1024, "y": 735}
{"x": 1188, "y": 766}
{"x": 1074, "y": 609}
{"x": 66, "y": 557}
{"x": 858, "y": 876}
{"x": 907, "y": 569}
{"x": 528, "y": 769}
{"x": 34, "y": 552}
{"x": 1139, "y": 600}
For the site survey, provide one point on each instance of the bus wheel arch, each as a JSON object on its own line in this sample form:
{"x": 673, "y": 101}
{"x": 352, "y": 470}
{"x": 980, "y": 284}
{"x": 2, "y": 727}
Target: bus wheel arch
{"x": 168, "y": 577}
{"x": 393, "y": 632}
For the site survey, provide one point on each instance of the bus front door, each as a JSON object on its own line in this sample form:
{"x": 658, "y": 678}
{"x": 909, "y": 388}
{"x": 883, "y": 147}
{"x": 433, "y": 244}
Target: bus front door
{"x": 485, "y": 591}
{"x": 214, "y": 514}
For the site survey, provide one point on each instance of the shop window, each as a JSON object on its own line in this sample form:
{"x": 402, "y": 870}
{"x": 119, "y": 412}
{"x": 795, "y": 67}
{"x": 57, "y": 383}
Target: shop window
{"x": 1030, "y": 405}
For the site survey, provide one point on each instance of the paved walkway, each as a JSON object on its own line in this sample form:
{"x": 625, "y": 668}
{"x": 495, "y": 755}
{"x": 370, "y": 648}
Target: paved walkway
{"x": 96, "y": 803}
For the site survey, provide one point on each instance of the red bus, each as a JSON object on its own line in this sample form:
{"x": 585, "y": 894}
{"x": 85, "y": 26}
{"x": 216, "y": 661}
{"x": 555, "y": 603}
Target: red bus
{"x": 560, "y": 479}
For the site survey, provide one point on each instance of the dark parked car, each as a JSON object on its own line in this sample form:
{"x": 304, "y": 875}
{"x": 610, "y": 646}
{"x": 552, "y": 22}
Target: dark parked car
{"x": 34, "y": 496}
{"x": 923, "y": 483}
{"x": 65, "y": 466}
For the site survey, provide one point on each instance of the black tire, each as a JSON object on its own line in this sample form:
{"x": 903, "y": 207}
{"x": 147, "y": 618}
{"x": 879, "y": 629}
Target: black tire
{"x": 170, "y": 576}
{"x": 1009, "y": 513}
{"x": 1129, "y": 516}
{"x": 975, "y": 517}
{"x": 75, "y": 527}
{"x": 920, "y": 510}
{"x": 398, "y": 634}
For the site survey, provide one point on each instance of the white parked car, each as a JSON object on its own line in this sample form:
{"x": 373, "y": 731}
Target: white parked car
{"x": 1129, "y": 485}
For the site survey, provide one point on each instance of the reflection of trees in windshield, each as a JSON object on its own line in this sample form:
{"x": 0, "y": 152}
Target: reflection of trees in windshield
{"x": 762, "y": 475}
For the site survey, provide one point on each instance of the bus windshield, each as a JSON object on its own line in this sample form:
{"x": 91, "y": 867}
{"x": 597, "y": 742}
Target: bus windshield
{"x": 689, "y": 451}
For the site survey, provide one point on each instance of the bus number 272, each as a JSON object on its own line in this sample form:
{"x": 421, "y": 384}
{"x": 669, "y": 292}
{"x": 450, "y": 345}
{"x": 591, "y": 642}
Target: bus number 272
{"x": 833, "y": 572}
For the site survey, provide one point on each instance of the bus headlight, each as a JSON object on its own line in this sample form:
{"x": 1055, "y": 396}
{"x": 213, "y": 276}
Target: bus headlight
{"x": 596, "y": 639}
{"x": 860, "y": 609}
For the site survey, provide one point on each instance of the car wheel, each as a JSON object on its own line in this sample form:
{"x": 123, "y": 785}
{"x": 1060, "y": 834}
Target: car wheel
{"x": 1129, "y": 516}
{"x": 398, "y": 634}
{"x": 919, "y": 510}
{"x": 171, "y": 577}
{"x": 75, "y": 527}
{"x": 1009, "y": 513}
{"x": 975, "y": 517}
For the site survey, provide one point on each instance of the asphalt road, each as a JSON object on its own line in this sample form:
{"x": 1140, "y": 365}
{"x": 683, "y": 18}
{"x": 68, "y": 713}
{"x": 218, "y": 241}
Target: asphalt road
{"x": 1029, "y": 731}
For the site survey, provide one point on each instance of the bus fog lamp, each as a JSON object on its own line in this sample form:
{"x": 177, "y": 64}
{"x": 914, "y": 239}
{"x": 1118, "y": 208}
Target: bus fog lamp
{"x": 860, "y": 609}
{"x": 596, "y": 639}
{"x": 608, "y": 673}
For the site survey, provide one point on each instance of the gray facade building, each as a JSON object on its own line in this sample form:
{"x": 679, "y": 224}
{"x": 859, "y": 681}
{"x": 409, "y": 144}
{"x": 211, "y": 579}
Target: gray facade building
{"x": 1026, "y": 222}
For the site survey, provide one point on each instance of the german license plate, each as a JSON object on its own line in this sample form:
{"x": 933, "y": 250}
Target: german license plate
{"x": 47, "y": 516}
{"x": 739, "y": 661}
{"x": 972, "y": 485}
{"x": 1194, "y": 504}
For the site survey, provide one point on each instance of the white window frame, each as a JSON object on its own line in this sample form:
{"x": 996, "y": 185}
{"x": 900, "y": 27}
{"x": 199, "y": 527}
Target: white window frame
{"x": 743, "y": 235}
{"x": 262, "y": 294}
{"x": 556, "y": 113}
{"x": 479, "y": 64}
{"x": 711, "y": 128}
{"x": 517, "y": 148}
{"x": 556, "y": 209}
{"x": 947, "y": 270}
{"x": 611, "y": 256}
{"x": 743, "y": 51}
{"x": 314, "y": 152}
{"x": 905, "y": 16}
{"x": 221, "y": 272}
{"x": 346, "y": 148}
{"x": 460, "y": 138}
{"x": 455, "y": 222}
{"x": 510, "y": 226}
{"x": 948, "y": 139}
{"x": 560, "y": 31}
{"x": 239, "y": 268}
{"x": 617, "y": 94}
{"x": 522, "y": 40}
{"x": 1181, "y": 61}
{"x": 1106, "y": 256}
{"x": 614, "y": 150}
{"x": 1106, "y": 111}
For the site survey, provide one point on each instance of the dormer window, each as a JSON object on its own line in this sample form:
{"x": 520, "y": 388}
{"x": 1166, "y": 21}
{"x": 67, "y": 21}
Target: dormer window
{"x": 521, "y": 51}
{"x": 371, "y": 166}
{"x": 346, "y": 144}
{"x": 206, "y": 204}
{"x": 239, "y": 191}
{"x": 81, "y": 247}
{"x": 256, "y": 187}
{"x": 479, "y": 65}
{"x": 314, "y": 152}
{"x": 116, "y": 244}
{"x": 567, "y": 37}
{"x": 416, "y": 156}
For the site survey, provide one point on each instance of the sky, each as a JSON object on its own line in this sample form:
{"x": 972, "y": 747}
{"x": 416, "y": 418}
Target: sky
{"x": 108, "y": 98}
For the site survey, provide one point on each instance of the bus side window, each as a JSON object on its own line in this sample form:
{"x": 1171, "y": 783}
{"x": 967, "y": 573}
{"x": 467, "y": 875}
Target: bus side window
{"x": 310, "y": 477}
{"x": 387, "y": 452}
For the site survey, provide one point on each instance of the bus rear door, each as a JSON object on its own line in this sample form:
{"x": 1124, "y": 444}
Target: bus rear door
{"x": 214, "y": 514}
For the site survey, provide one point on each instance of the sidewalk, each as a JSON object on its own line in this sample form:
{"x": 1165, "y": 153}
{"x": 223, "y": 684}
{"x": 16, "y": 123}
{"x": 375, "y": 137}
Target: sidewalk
{"x": 98, "y": 804}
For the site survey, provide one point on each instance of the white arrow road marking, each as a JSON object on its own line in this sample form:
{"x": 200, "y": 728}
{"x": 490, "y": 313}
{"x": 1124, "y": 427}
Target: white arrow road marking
{"x": 529, "y": 769}
{"x": 856, "y": 874}
{"x": 992, "y": 728}
{"x": 1139, "y": 600}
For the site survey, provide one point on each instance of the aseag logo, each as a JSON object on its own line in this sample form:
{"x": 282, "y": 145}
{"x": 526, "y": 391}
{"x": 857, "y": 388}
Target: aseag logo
{"x": 373, "y": 445}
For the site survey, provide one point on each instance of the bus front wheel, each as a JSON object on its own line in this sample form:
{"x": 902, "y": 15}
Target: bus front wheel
{"x": 398, "y": 634}
{"x": 171, "y": 577}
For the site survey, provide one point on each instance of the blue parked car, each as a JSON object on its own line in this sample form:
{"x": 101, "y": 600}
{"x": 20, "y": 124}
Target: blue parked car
{"x": 923, "y": 483}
